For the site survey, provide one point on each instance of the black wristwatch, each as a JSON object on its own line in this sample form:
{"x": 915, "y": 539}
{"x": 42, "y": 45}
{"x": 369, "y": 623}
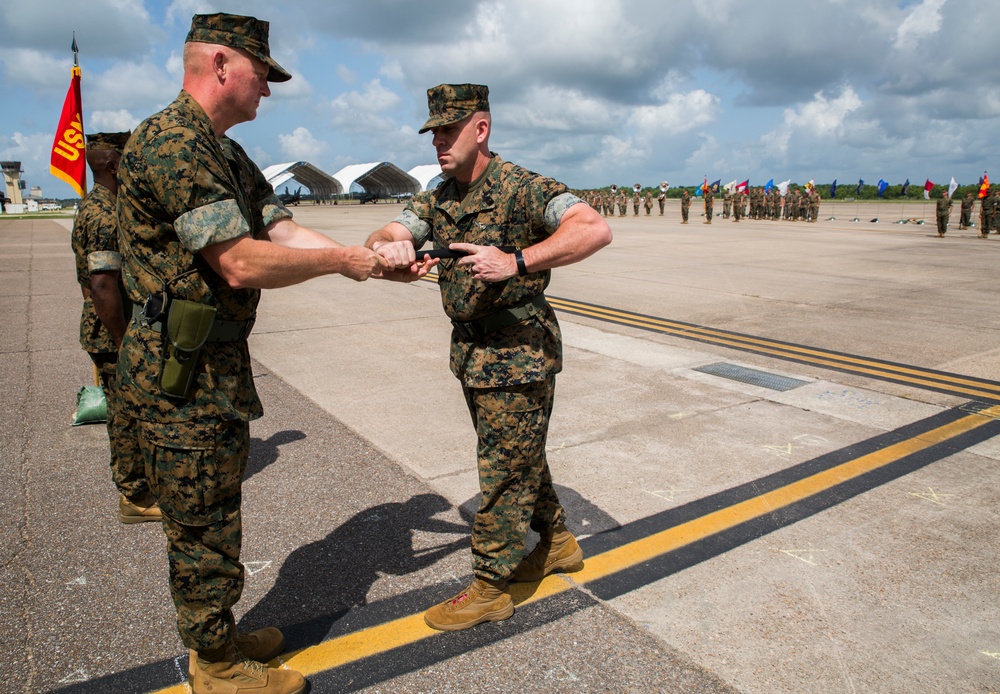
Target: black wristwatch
{"x": 522, "y": 269}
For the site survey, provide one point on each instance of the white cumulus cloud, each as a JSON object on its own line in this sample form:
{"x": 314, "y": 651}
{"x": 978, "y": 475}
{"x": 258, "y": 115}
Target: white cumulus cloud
{"x": 300, "y": 144}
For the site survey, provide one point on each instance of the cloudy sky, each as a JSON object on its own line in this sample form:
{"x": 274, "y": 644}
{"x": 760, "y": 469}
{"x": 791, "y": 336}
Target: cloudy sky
{"x": 591, "y": 93}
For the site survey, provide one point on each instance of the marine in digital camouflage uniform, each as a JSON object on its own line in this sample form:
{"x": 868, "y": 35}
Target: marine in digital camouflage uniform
{"x": 814, "y": 202}
{"x": 506, "y": 346}
{"x": 965, "y": 221}
{"x": 943, "y": 209}
{"x": 709, "y": 195}
{"x": 102, "y": 322}
{"x": 685, "y": 206}
{"x": 199, "y": 223}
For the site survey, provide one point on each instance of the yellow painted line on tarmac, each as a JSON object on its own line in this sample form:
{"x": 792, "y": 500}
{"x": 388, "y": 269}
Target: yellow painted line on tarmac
{"x": 910, "y": 375}
{"x": 384, "y": 637}
{"x": 412, "y": 629}
{"x": 636, "y": 552}
{"x": 400, "y": 632}
{"x": 812, "y": 355}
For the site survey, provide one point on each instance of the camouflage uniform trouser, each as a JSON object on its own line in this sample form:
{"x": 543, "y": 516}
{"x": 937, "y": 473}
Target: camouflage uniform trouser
{"x": 942, "y": 223}
{"x": 517, "y": 493}
{"x": 196, "y": 471}
{"x": 128, "y": 469}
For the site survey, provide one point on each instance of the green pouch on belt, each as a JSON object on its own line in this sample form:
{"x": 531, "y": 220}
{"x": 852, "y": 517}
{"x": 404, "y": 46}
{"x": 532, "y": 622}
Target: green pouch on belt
{"x": 188, "y": 326}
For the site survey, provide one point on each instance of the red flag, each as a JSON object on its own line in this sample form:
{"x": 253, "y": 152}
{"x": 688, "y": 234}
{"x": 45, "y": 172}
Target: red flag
{"x": 984, "y": 187}
{"x": 742, "y": 187}
{"x": 69, "y": 160}
{"x": 928, "y": 187}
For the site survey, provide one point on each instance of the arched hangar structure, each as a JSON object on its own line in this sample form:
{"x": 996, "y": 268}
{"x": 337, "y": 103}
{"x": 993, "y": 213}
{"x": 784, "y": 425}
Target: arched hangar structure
{"x": 381, "y": 179}
{"x": 319, "y": 183}
{"x": 429, "y": 175}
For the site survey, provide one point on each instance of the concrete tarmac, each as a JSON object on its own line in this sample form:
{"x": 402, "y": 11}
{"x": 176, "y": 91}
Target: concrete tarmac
{"x": 362, "y": 474}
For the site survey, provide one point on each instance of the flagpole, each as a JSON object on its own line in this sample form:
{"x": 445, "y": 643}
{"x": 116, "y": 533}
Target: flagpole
{"x": 68, "y": 155}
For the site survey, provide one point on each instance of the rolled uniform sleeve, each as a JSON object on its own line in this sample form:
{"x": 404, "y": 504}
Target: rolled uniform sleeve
{"x": 209, "y": 224}
{"x": 410, "y": 218}
{"x": 556, "y": 208}
{"x": 104, "y": 261}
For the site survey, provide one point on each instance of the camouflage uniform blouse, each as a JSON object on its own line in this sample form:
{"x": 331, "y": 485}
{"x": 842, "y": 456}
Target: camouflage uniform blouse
{"x": 182, "y": 189}
{"x": 95, "y": 245}
{"x": 512, "y": 207}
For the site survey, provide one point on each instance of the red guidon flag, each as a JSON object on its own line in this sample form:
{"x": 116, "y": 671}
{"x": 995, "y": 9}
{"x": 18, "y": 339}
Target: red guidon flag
{"x": 69, "y": 161}
{"x": 984, "y": 186}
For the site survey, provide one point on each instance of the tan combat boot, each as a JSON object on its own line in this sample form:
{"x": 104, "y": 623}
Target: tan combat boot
{"x": 262, "y": 645}
{"x": 143, "y": 511}
{"x": 555, "y": 551}
{"x": 236, "y": 674}
{"x": 483, "y": 601}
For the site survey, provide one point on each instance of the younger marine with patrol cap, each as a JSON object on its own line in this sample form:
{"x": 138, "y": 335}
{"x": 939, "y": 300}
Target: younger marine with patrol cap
{"x": 506, "y": 346}
{"x": 202, "y": 232}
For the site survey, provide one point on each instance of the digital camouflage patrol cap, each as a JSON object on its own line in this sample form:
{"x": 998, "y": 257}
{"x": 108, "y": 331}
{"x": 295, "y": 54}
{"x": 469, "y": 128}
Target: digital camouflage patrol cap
{"x": 113, "y": 141}
{"x": 237, "y": 31}
{"x": 450, "y": 103}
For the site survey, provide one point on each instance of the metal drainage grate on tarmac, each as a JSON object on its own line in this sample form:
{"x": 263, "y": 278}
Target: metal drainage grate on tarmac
{"x": 751, "y": 376}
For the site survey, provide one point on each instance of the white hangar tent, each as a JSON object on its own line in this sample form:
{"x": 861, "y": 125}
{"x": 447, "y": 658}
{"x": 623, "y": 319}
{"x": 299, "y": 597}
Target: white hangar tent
{"x": 429, "y": 175}
{"x": 379, "y": 178}
{"x": 319, "y": 183}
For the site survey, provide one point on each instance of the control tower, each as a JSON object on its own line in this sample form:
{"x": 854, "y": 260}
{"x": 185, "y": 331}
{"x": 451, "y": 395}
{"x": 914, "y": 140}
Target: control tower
{"x": 12, "y": 181}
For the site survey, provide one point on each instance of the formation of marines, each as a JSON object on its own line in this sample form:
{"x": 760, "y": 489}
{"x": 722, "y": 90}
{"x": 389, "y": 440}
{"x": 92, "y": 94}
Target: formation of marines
{"x": 755, "y": 203}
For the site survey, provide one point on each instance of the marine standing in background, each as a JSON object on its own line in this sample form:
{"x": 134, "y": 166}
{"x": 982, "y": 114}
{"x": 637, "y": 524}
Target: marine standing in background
{"x": 685, "y": 206}
{"x": 943, "y": 212}
{"x": 727, "y": 204}
{"x": 814, "y": 201}
{"x": 622, "y": 204}
{"x": 201, "y": 232}
{"x": 661, "y": 199}
{"x": 506, "y": 347}
{"x": 985, "y": 218}
{"x": 965, "y": 220}
{"x": 102, "y": 322}
{"x": 648, "y": 204}
{"x": 708, "y": 204}
{"x": 994, "y": 210}
{"x": 635, "y": 203}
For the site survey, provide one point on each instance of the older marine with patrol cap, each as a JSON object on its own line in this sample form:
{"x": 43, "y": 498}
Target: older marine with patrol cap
{"x": 201, "y": 233}
{"x": 510, "y": 227}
